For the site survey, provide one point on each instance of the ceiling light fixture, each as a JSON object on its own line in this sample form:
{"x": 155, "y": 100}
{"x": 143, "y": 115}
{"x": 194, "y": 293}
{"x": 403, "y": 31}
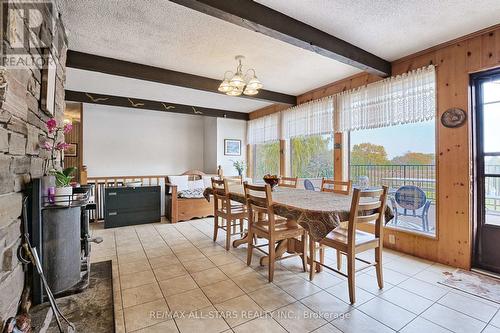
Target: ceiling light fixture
{"x": 235, "y": 84}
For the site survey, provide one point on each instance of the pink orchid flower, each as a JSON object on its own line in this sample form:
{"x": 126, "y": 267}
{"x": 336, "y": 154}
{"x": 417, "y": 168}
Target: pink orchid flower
{"x": 46, "y": 146}
{"x": 62, "y": 146}
{"x": 51, "y": 125}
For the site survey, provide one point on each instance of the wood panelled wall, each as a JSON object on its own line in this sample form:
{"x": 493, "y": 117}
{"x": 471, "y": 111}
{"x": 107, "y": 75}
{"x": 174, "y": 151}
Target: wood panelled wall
{"x": 455, "y": 61}
{"x": 73, "y": 111}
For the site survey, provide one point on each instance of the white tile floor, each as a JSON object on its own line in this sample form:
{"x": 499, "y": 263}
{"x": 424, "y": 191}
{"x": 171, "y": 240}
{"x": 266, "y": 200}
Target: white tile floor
{"x": 173, "y": 278}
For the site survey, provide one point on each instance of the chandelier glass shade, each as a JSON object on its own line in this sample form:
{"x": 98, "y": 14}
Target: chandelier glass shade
{"x": 237, "y": 83}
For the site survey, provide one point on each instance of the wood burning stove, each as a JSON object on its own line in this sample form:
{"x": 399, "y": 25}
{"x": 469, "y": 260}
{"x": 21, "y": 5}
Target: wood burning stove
{"x": 60, "y": 233}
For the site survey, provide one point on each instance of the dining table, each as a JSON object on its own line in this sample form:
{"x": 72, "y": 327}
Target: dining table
{"x": 317, "y": 212}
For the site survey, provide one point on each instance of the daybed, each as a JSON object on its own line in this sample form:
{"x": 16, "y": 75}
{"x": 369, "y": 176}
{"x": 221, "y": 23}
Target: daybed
{"x": 184, "y": 196}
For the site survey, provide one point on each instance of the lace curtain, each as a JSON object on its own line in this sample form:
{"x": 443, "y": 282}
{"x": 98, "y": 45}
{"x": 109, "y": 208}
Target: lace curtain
{"x": 315, "y": 117}
{"x": 264, "y": 129}
{"x": 403, "y": 99}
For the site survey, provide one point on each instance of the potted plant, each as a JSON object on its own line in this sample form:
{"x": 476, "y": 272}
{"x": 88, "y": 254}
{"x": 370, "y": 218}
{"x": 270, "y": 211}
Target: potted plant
{"x": 64, "y": 190}
{"x": 239, "y": 166}
{"x": 53, "y": 143}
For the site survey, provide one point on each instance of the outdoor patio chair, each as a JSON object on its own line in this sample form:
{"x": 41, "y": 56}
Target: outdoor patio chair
{"x": 308, "y": 185}
{"x": 411, "y": 198}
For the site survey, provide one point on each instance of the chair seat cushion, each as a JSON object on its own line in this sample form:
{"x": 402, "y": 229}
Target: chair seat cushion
{"x": 339, "y": 235}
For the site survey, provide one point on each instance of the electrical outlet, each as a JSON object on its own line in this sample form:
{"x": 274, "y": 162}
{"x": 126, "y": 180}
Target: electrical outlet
{"x": 392, "y": 239}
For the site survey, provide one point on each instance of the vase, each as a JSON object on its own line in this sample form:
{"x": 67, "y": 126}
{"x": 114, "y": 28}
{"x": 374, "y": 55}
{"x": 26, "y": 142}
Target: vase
{"x": 46, "y": 183}
{"x": 63, "y": 196}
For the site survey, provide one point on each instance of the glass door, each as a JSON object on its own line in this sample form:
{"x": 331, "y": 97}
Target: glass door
{"x": 487, "y": 181}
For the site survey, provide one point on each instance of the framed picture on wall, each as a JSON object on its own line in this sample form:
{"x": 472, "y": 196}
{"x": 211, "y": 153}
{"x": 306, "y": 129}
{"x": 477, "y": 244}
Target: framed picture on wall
{"x": 232, "y": 147}
{"x": 72, "y": 150}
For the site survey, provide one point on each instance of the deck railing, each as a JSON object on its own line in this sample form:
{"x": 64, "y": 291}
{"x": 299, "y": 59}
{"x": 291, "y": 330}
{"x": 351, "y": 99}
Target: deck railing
{"x": 423, "y": 176}
{"x": 492, "y": 188}
{"x": 100, "y": 183}
{"x": 395, "y": 176}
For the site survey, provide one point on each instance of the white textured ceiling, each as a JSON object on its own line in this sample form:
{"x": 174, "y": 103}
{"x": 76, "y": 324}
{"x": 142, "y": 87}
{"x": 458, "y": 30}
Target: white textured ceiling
{"x": 163, "y": 34}
{"x": 392, "y": 29}
{"x": 94, "y": 82}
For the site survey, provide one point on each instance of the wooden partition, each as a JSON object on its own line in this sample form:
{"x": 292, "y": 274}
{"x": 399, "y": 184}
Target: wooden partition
{"x": 73, "y": 112}
{"x": 100, "y": 183}
{"x": 454, "y": 61}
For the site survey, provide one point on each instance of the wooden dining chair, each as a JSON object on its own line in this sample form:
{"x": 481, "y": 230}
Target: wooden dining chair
{"x": 350, "y": 241}
{"x": 260, "y": 204}
{"x": 232, "y": 214}
{"x": 234, "y": 179}
{"x": 339, "y": 187}
{"x": 336, "y": 186}
{"x": 288, "y": 182}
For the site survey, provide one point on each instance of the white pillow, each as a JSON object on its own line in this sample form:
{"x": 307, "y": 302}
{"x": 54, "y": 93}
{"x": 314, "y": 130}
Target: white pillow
{"x": 180, "y": 181}
{"x": 196, "y": 184}
{"x": 207, "y": 181}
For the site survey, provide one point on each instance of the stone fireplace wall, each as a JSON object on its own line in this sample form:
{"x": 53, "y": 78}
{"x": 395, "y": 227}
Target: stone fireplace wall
{"x": 21, "y": 126}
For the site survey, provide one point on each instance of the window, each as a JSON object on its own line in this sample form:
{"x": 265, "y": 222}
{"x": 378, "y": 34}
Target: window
{"x": 311, "y": 156}
{"x": 266, "y": 160}
{"x": 403, "y": 158}
{"x": 490, "y": 113}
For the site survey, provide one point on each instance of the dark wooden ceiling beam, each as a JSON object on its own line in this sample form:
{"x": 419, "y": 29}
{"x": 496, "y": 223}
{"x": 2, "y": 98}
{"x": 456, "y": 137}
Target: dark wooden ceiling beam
{"x": 143, "y": 104}
{"x": 256, "y": 17}
{"x": 133, "y": 70}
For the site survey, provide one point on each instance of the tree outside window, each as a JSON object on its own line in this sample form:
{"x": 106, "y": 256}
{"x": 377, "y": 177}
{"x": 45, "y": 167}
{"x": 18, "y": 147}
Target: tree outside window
{"x": 312, "y": 156}
{"x": 266, "y": 160}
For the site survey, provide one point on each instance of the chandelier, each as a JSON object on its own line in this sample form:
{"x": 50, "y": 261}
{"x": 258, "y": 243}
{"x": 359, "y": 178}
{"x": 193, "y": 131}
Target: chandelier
{"x": 235, "y": 84}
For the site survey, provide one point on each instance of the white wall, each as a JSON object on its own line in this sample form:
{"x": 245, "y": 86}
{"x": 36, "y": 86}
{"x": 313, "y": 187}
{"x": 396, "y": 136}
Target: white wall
{"x": 122, "y": 141}
{"x": 126, "y": 142}
{"x": 210, "y": 145}
{"x": 230, "y": 129}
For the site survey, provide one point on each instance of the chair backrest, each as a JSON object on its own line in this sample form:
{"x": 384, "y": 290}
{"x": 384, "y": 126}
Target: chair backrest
{"x": 288, "y": 182}
{"x": 367, "y": 211}
{"x": 259, "y": 201}
{"x": 336, "y": 186}
{"x": 220, "y": 191}
{"x": 308, "y": 185}
{"x": 410, "y": 197}
{"x": 234, "y": 179}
